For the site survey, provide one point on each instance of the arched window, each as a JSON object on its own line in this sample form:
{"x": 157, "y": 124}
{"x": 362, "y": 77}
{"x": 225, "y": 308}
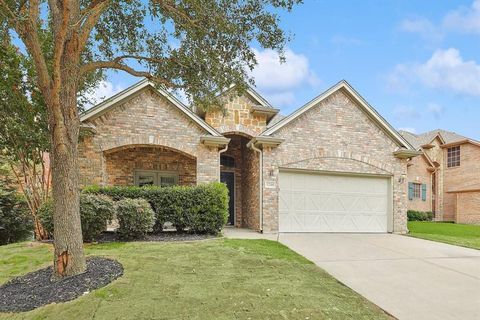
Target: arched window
{"x": 227, "y": 161}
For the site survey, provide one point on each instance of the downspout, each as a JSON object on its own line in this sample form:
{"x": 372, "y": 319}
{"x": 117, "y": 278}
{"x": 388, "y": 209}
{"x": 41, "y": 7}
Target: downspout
{"x": 260, "y": 181}
{"x": 219, "y": 155}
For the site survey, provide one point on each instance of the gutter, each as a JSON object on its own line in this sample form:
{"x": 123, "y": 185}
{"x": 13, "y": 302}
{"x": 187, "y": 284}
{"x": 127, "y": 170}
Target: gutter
{"x": 251, "y": 145}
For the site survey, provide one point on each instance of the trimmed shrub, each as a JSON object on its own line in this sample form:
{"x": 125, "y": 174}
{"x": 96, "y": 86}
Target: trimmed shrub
{"x": 419, "y": 215}
{"x": 136, "y": 218}
{"x": 95, "y": 212}
{"x": 199, "y": 209}
{"x": 16, "y": 223}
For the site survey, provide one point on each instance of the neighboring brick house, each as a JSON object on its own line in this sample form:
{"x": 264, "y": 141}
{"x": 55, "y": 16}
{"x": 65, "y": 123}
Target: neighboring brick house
{"x": 334, "y": 165}
{"x": 445, "y": 179}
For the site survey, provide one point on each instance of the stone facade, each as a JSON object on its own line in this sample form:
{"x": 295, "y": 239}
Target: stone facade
{"x": 332, "y": 136}
{"x": 144, "y": 120}
{"x": 246, "y": 172}
{"x": 237, "y": 117}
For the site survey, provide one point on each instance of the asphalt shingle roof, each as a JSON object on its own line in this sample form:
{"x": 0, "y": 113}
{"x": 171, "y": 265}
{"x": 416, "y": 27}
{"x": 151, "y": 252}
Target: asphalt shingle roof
{"x": 418, "y": 140}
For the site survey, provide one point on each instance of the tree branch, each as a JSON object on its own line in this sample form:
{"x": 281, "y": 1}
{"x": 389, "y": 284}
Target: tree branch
{"x": 61, "y": 30}
{"x": 93, "y": 13}
{"x": 116, "y": 64}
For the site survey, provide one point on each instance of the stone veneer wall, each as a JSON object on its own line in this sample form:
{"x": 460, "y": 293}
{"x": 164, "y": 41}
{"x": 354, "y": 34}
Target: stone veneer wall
{"x": 237, "y": 117}
{"x": 121, "y": 164}
{"x": 251, "y": 189}
{"x": 146, "y": 119}
{"x": 334, "y": 129}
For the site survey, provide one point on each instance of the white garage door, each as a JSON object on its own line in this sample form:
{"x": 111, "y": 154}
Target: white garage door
{"x": 311, "y": 202}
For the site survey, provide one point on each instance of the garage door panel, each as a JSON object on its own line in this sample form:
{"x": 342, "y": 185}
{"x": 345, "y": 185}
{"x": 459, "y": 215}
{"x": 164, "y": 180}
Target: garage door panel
{"x": 332, "y": 203}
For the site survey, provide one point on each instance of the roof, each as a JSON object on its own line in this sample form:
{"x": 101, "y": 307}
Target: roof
{"x": 351, "y": 92}
{"x": 109, "y": 103}
{"x": 447, "y": 137}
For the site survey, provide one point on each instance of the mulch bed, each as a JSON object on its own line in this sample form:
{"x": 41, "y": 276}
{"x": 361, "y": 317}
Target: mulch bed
{"x": 163, "y": 236}
{"x": 35, "y": 289}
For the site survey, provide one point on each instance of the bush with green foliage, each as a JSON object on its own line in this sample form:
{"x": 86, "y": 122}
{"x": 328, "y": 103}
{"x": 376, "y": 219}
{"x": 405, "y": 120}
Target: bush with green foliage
{"x": 198, "y": 209}
{"x": 16, "y": 223}
{"x": 95, "y": 212}
{"x": 135, "y": 217}
{"x": 419, "y": 215}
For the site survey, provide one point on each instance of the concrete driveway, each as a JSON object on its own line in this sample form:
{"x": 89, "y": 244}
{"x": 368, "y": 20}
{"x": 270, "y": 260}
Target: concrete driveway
{"x": 409, "y": 278}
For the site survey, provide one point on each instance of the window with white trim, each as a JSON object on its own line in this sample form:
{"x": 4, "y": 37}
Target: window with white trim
{"x": 453, "y": 157}
{"x": 155, "y": 178}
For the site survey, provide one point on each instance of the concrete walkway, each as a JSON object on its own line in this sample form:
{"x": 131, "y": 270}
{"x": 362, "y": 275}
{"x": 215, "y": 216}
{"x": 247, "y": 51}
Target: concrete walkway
{"x": 409, "y": 278}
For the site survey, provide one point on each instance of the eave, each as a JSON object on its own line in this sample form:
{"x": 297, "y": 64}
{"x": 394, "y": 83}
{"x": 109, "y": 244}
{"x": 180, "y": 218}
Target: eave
{"x": 214, "y": 141}
{"x": 265, "y": 142}
{"x": 265, "y": 111}
{"x": 406, "y": 153}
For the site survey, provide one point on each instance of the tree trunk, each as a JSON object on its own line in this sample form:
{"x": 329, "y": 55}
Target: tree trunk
{"x": 69, "y": 257}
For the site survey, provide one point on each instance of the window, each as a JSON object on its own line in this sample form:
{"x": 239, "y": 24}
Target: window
{"x": 227, "y": 161}
{"x": 155, "y": 178}
{"x": 417, "y": 190}
{"x": 453, "y": 157}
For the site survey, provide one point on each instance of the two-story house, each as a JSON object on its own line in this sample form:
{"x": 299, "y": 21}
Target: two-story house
{"x": 445, "y": 179}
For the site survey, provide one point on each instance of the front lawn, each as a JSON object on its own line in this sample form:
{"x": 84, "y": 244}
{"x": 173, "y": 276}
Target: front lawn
{"x": 458, "y": 234}
{"x": 214, "y": 279}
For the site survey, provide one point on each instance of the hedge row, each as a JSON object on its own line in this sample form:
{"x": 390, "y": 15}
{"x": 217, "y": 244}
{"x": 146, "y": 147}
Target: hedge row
{"x": 16, "y": 223}
{"x": 419, "y": 215}
{"x": 199, "y": 209}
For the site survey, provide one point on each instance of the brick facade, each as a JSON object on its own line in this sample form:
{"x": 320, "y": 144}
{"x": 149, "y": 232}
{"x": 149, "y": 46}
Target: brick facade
{"x": 147, "y": 132}
{"x": 448, "y": 207}
{"x": 144, "y": 120}
{"x": 332, "y": 136}
{"x": 418, "y": 173}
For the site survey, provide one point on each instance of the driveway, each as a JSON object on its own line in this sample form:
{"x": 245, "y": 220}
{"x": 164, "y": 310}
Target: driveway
{"x": 409, "y": 278}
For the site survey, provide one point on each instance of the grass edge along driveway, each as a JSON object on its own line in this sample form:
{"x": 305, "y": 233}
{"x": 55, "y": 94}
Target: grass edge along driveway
{"x": 214, "y": 279}
{"x": 463, "y": 235}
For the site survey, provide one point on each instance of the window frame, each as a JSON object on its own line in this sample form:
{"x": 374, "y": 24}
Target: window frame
{"x": 417, "y": 194}
{"x": 157, "y": 176}
{"x": 453, "y": 157}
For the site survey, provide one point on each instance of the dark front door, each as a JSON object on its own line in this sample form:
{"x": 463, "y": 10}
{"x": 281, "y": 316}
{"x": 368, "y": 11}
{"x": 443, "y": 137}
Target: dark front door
{"x": 229, "y": 179}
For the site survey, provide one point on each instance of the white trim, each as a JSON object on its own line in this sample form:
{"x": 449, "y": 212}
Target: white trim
{"x": 135, "y": 89}
{"x": 371, "y": 112}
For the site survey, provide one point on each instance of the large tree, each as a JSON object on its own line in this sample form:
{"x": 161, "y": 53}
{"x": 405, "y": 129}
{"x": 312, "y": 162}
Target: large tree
{"x": 199, "y": 46}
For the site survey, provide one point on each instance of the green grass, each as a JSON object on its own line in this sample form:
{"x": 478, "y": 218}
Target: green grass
{"x": 458, "y": 234}
{"x": 215, "y": 279}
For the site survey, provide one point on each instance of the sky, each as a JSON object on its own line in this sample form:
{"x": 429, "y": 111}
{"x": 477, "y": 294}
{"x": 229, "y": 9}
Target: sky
{"x": 417, "y": 62}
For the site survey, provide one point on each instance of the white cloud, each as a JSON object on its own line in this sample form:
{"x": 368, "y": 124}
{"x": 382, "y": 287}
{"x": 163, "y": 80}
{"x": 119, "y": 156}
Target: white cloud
{"x": 435, "y": 109}
{"x": 464, "y": 19}
{"x": 278, "y": 80}
{"x": 445, "y": 70}
{"x": 281, "y": 99}
{"x": 341, "y": 40}
{"x": 408, "y": 129}
{"x": 422, "y": 26}
{"x": 405, "y": 112}
{"x": 105, "y": 89}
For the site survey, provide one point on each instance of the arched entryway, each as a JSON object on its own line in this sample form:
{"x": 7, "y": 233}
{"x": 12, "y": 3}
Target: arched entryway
{"x": 149, "y": 165}
{"x": 239, "y": 168}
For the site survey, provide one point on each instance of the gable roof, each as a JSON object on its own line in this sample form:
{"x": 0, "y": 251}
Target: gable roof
{"x": 447, "y": 138}
{"x": 109, "y": 103}
{"x": 352, "y": 93}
